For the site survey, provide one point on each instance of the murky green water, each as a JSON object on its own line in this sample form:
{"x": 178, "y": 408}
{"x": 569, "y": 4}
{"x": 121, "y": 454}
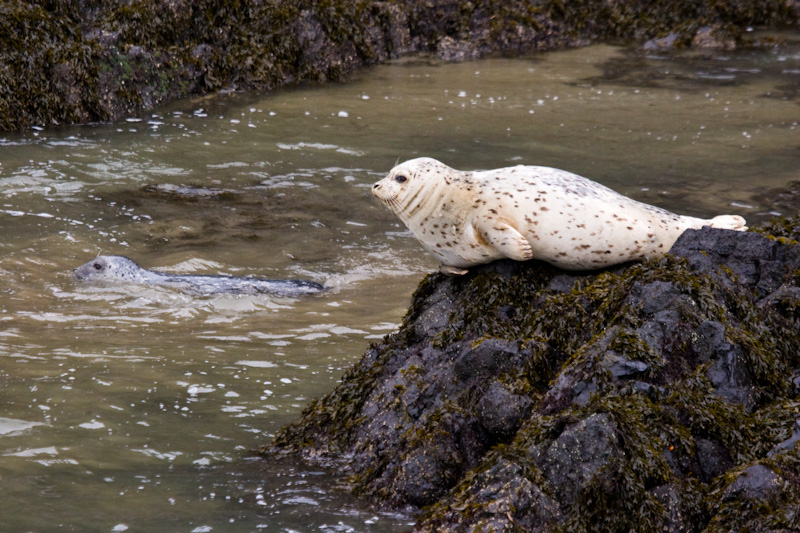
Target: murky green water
{"x": 134, "y": 408}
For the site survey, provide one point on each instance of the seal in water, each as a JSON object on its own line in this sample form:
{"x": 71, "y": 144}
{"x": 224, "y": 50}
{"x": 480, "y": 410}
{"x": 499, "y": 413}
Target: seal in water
{"x": 116, "y": 268}
{"x": 526, "y": 212}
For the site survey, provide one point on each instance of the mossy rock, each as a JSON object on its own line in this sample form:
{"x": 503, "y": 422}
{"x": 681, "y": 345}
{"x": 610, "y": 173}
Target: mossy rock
{"x": 648, "y": 397}
{"x": 63, "y": 61}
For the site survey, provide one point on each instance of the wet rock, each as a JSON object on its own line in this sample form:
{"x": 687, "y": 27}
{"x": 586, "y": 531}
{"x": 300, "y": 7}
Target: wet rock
{"x": 755, "y": 483}
{"x": 450, "y": 49}
{"x": 572, "y": 460}
{"x": 656, "y": 296}
{"x": 670, "y": 498}
{"x": 756, "y": 262}
{"x": 712, "y": 458}
{"x": 501, "y": 411}
{"x": 425, "y": 474}
{"x": 520, "y": 396}
{"x": 488, "y": 358}
{"x": 112, "y": 59}
{"x": 713, "y": 37}
{"x": 508, "y": 499}
{"x": 661, "y": 329}
{"x": 202, "y": 50}
{"x": 574, "y": 385}
{"x": 663, "y": 43}
{"x": 790, "y": 443}
{"x": 621, "y": 367}
{"x": 730, "y": 376}
{"x": 435, "y": 317}
{"x": 759, "y": 499}
{"x": 583, "y": 392}
{"x": 785, "y": 300}
{"x": 562, "y": 283}
{"x": 709, "y": 339}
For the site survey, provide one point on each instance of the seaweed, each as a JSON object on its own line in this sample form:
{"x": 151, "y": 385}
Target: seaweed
{"x": 645, "y": 397}
{"x": 65, "y": 62}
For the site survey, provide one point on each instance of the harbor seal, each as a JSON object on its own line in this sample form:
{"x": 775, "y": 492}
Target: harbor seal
{"x": 118, "y": 268}
{"x": 527, "y": 212}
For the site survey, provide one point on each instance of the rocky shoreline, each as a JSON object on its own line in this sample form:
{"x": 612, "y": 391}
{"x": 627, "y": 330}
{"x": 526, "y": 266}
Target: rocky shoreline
{"x": 662, "y": 396}
{"x": 67, "y": 61}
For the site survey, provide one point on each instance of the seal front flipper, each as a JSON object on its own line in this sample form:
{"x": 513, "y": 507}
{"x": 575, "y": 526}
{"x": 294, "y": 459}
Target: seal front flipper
{"x": 506, "y": 240}
{"x": 448, "y": 270}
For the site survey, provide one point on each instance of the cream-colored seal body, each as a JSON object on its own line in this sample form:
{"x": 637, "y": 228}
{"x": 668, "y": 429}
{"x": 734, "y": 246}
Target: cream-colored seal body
{"x": 526, "y": 212}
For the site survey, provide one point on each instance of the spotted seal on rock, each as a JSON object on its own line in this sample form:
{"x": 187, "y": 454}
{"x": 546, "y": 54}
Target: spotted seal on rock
{"x": 527, "y": 212}
{"x": 118, "y": 268}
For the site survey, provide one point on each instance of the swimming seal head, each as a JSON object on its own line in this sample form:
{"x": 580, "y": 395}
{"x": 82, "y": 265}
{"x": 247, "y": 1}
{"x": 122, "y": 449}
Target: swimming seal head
{"x": 118, "y": 268}
{"x": 113, "y": 268}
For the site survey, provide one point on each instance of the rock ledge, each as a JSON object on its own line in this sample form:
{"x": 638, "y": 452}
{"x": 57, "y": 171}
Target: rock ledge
{"x": 660, "y": 396}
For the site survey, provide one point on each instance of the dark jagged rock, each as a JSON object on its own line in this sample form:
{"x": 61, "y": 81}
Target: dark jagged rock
{"x": 64, "y": 61}
{"x": 659, "y": 396}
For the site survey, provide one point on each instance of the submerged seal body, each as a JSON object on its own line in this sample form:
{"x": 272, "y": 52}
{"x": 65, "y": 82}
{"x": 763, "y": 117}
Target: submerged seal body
{"x": 528, "y": 212}
{"x": 118, "y": 268}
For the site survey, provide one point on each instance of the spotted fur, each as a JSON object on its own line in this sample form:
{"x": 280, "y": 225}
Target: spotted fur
{"x": 118, "y": 268}
{"x": 526, "y": 212}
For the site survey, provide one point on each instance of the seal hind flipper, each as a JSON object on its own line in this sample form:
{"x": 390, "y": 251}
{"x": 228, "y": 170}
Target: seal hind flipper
{"x": 734, "y": 222}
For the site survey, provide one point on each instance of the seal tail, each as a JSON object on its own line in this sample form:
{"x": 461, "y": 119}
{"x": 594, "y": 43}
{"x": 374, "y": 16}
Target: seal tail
{"x": 734, "y": 222}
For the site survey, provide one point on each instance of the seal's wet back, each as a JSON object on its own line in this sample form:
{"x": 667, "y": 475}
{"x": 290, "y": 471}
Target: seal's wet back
{"x": 116, "y": 268}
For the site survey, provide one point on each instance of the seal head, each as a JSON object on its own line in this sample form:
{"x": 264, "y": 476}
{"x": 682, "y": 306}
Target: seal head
{"x": 528, "y": 212}
{"x": 114, "y": 268}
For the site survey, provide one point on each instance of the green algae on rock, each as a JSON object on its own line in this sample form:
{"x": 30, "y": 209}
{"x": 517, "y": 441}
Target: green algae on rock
{"x": 48, "y": 68}
{"x": 63, "y": 61}
{"x": 648, "y": 397}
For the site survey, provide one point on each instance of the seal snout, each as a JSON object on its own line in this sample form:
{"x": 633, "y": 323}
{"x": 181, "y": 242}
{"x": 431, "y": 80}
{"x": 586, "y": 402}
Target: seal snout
{"x": 379, "y": 191}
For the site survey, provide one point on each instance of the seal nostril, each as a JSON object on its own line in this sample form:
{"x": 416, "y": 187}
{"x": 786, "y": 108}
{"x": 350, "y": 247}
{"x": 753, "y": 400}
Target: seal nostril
{"x": 376, "y": 186}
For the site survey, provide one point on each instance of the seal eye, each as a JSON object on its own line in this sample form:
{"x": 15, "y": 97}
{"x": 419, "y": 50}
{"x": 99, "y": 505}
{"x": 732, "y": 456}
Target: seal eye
{"x": 98, "y": 266}
{"x": 400, "y": 179}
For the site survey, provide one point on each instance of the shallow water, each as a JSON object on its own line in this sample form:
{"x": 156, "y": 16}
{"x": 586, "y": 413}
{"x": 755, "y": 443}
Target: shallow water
{"x": 135, "y": 408}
